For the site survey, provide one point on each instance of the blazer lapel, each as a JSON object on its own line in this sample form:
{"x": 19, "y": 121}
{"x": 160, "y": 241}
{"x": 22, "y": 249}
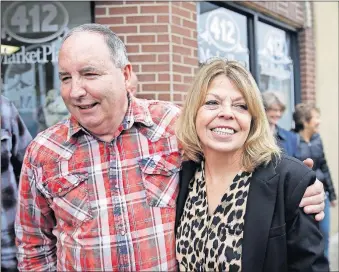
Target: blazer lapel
{"x": 186, "y": 174}
{"x": 259, "y": 213}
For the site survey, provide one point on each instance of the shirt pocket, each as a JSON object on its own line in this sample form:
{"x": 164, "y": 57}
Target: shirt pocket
{"x": 160, "y": 177}
{"x": 70, "y": 201}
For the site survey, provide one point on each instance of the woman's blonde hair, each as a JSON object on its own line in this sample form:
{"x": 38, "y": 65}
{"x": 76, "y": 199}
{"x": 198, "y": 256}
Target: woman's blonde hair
{"x": 260, "y": 146}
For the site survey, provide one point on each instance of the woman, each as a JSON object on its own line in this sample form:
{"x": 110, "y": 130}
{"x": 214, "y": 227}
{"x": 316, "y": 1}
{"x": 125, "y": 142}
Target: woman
{"x": 275, "y": 107}
{"x": 237, "y": 208}
{"x": 307, "y": 121}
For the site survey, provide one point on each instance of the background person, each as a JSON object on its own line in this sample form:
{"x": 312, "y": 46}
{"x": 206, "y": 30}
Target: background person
{"x": 14, "y": 141}
{"x": 307, "y": 121}
{"x": 237, "y": 207}
{"x": 275, "y": 106}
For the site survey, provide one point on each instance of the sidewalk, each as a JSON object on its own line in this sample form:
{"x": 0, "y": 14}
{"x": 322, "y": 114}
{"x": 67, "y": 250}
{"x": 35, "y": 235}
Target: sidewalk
{"x": 334, "y": 254}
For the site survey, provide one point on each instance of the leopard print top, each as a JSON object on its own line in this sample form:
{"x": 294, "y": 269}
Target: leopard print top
{"x": 204, "y": 242}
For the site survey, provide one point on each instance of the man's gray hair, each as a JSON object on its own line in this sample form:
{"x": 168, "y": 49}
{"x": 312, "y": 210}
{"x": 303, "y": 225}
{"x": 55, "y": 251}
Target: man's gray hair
{"x": 116, "y": 46}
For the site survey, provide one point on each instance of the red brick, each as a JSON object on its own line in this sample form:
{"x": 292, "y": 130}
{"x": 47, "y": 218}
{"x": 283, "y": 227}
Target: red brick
{"x": 100, "y": 10}
{"x": 123, "y": 10}
{"x": 181, "y": 69}
{"x": 124, "y": 29}
{"x": 177, "y": 78}
{"x": 140, "y": 19}
{"x": 163, "y": 58}
{"x": 190, "y": 42}
{"x": 181, "y": 12}
{"x": 176, "y": 39}
{"x": 155, "y": 67}
{"x": 155, "y": 48}
{"x": 142, "y": 58}
{"x": 154, "y": 9}
{"x": 153, "y": 28}
{"x": 176, "y": 20}
{"x": 180, "y": 87}
{"x": 155, "y": 87}
{"x": 190, "y": 5}
{"x": 177, "y": 58}
{"x": 146, "y": 77}
{"x": 162, "y": 38}
{"x": 163, "y": 77}
{"x": 162, "y": 19}
{"x": 181, "y": 31}
{"x": 132, "y": 49}
{"x": 109, "y": 20}
{"x": 141, "y": 39}
{"x": 189, "y": 24}
{"x": 181, "y": 50}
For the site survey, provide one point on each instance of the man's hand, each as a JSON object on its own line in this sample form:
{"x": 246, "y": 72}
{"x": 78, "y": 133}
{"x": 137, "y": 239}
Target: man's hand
{"x": 313, "y": 200}
{"x": 308, "y": 162}
{"x": 333, "y": 203}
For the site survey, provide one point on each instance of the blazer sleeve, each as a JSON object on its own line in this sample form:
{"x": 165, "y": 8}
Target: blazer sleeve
{"x": 305, "y": 245}
{"x": 328, "y": 184}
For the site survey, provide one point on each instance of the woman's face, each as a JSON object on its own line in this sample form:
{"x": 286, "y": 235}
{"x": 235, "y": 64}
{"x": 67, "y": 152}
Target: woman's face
{"x": 314, "y": 123}
{"x": 274, "y": 114}
{"x": 223, "y": 121}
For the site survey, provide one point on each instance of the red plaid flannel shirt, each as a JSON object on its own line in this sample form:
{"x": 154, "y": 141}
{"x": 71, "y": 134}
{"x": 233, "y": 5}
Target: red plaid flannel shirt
{"x": 89, "y": 205}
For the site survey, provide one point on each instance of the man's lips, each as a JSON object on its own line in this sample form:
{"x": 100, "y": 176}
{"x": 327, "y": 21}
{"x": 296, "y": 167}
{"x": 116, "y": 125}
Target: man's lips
{"x": 86, "y": 106}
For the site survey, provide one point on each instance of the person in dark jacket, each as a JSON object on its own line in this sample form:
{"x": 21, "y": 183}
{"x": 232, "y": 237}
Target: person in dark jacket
{"x": 14, "y": 141}
{"x": 307, "y": 121}
{"x": 238, "y": 203}
{"x": 275, "y": 107}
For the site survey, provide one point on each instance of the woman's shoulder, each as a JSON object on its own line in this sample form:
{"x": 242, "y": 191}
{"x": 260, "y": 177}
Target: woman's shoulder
{"x": 288, "y": 164}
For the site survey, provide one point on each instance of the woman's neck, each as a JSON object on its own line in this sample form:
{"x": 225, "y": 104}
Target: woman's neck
{"x": 222, "y": 166}
{"x": 306, "y": 134}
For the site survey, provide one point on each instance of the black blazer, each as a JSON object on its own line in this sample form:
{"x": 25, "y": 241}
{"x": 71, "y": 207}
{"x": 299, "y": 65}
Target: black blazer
{"x": 278, "y": 235}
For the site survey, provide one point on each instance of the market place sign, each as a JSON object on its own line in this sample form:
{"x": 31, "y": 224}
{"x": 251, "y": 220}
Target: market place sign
{"x": 34, "y": 23}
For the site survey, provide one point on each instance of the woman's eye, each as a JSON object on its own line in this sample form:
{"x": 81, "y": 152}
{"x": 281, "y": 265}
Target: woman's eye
{"x": 242, "y": 106}
{"x": 211, "y": 102}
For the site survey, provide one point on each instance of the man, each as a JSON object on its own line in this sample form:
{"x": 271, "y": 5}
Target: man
{"x": 98, "y": 191}
{"x": 14, "y": 140}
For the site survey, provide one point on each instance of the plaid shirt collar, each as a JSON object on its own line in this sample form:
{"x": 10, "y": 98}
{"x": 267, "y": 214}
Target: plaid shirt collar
{"x": 137, "y": 112}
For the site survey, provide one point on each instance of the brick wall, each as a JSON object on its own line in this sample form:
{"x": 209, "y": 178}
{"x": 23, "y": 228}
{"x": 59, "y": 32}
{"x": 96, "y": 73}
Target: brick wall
{"x": 161, "y": 43}
{"x": 161, "y": 40}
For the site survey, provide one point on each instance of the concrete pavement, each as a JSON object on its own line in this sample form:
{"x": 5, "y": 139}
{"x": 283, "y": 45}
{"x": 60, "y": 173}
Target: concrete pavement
{"x": 334, "y": 254}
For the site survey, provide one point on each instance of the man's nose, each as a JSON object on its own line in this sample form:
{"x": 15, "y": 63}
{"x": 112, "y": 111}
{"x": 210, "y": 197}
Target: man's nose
{"x": 77, "y": 89}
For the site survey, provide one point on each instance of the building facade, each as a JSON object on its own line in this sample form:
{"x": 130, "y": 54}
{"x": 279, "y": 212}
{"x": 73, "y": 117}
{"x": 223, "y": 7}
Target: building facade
{"x": 165, "y": 41}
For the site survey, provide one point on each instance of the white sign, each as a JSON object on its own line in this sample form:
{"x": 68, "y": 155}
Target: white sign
{"x": 39, "y": 55}
{"x": 35, "y": 22}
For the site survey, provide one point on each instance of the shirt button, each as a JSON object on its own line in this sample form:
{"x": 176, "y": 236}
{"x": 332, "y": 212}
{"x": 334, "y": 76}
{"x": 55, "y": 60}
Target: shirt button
{"x": 60, "y": 190}
{"x": 123, "y": 233}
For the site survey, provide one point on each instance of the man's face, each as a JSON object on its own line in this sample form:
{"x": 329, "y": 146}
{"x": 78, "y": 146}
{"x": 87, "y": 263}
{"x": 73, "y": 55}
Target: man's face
{"x": 93, "y": 89}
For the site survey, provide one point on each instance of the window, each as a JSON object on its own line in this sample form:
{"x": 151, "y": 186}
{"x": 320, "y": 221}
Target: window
{"x": 222, "y": 33}
{"x": 266, "y": 47}
{"x": 30, "y": 39}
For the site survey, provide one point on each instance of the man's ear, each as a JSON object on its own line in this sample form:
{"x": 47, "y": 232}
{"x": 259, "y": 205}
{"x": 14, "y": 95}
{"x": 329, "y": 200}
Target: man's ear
{"x": 127, "y": 72}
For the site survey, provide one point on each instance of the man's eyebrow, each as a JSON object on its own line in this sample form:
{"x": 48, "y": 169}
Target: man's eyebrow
{"x": 87, "y": 69}
{"x": 61, "y": 74}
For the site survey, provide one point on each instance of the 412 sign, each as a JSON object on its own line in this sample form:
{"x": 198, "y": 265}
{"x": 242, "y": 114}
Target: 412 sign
{"x": 35, "y": 22}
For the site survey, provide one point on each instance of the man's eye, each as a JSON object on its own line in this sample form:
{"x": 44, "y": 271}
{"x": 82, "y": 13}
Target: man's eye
{"x": 63, "y": 79}
{"x": 90, "y": 75}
